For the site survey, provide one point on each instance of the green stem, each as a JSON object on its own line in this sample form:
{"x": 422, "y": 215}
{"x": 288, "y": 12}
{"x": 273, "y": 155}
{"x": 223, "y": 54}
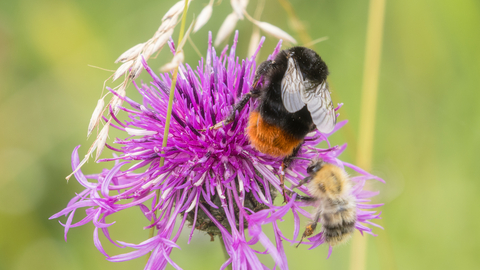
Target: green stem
{"x": 371, "y": 73}
{"x": 225, "y": 253}
{"x": 169, "y": 113}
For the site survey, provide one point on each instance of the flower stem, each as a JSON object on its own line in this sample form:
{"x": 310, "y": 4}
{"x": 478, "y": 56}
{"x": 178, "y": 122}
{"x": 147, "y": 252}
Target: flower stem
{"x": 225, "y": 253}
{"x": 169, "y": 112}
{"x": 373, "y": 50}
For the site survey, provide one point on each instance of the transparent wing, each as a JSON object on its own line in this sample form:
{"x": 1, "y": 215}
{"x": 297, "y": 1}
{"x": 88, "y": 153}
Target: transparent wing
{"x": 296, "y": 93}
{"x": 320, "y": 106}
{"x": 292, "y": 88}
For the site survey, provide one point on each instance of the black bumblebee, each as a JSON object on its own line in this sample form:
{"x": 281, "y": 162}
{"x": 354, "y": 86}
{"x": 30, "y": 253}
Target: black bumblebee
{"x": 294, "y": 100}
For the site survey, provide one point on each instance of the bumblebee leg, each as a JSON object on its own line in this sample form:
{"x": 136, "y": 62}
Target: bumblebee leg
{"x": 238, "y": 107}
{"x": 303, "y": 181}
{"x": 300, "y": 197}
{"x": 282, "y": 182}
{"x": 310, "y": 227}
{"x": 287, "y": 160}
{"x": 262, "y": 70}
{"x": 285, "y": 163}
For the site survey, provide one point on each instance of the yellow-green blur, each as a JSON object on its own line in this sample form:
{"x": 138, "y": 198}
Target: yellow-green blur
{"x": 426, "y": 142}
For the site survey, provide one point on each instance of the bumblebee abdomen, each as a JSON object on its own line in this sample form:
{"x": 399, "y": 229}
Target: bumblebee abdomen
{"x": 339, "y": 226}
{"x": 338, "y": 235}
{"x": 270, "y": 139}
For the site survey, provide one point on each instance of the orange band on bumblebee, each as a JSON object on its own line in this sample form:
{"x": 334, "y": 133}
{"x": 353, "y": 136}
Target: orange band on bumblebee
{"x": 270, "y": 139}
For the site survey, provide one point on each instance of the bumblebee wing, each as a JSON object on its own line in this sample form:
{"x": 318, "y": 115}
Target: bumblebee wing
{"x": 292, "y": 88}
{"x": 320, "y": 105}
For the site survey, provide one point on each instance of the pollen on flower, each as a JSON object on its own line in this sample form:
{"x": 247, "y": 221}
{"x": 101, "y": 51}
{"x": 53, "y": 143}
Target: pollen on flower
{"x": 212, "y": 179}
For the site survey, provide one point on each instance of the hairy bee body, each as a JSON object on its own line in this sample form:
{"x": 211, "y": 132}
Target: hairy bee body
{"x": 269, "y": 138}
{"x": 272, "y": 108}
{"x": 330, "y": 190}
{"x": 293, "y": 100}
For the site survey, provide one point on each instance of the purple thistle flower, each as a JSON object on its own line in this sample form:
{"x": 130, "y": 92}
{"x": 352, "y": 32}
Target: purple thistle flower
{"x": 212, "y": 179}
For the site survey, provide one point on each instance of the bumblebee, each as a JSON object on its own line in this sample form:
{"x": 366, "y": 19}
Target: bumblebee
{"x": 335, "y": 208}
{"x": 293, "y": 100}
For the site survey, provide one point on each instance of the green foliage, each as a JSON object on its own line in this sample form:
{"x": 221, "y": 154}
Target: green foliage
{"x": 426, "y": 139}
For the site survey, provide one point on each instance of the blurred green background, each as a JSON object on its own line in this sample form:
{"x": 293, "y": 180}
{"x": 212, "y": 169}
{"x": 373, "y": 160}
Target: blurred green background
{"x": 426, "y": 137}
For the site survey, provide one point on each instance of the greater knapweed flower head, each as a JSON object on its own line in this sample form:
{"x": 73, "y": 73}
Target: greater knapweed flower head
{"x": 211, "y": 179}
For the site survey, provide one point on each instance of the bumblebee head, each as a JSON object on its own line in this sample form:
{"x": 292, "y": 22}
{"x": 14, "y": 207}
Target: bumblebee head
{"x": 313, "y": 68}
{"x": 315, "y": 166}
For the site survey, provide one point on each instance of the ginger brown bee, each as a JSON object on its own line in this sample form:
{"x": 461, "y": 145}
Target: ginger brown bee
{"x": 335, "y": 208}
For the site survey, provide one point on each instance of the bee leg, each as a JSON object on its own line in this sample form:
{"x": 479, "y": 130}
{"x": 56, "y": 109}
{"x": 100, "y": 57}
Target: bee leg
{"x": 238, "y": 107}
{"x": 282, "y": 183}
{"x": 303, "y": 181}
{"x": 300, "y": 197}
{"x": 310, "y": 227}
{"x": 285, "y": 163}
{"x": 262, "y": 70}
{"x": 287, "y": 160}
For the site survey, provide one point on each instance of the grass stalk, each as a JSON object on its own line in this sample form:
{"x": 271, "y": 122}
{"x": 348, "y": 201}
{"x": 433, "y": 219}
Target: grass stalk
{"x": 373, "y": 51}
{"x": 169, "y": 111}
{"x": 225, "y": 253}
